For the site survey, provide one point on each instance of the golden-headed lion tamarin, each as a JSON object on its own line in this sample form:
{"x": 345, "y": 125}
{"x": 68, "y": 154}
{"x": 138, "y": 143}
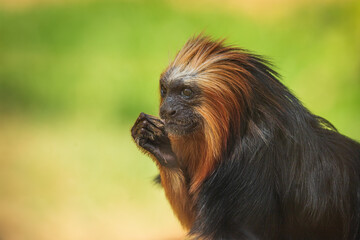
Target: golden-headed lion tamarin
{"x": 241, "y": 158}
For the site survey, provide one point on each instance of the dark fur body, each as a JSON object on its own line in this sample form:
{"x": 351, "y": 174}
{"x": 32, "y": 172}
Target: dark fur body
{"x": 284, "y": 173}
{"x": 302, "y": 183}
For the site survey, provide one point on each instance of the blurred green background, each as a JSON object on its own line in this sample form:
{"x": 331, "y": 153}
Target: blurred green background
{"x": 74, "y": 75}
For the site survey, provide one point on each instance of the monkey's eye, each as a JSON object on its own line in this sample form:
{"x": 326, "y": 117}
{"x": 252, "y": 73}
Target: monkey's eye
{"x": 162, "y": 91}
{"x": 186, "y": 92}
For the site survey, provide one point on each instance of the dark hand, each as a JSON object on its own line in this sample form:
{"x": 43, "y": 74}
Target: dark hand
{"x": 149, "y": 133}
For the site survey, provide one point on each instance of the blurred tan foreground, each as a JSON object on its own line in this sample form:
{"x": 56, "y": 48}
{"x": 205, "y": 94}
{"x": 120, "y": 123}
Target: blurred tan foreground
{"x": 50, "y": 188}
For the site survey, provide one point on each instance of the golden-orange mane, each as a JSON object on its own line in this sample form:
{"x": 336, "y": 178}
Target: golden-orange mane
{"x": 216, "y": 70}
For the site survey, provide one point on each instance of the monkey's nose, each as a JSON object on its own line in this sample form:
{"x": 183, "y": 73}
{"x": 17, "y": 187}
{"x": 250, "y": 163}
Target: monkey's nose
{"x": 167, "y": 113}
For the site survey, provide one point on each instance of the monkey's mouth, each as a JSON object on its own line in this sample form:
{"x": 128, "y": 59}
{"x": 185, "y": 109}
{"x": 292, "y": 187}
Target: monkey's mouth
{"x": 178, "y": 122}
{"x": 179, "y": 126}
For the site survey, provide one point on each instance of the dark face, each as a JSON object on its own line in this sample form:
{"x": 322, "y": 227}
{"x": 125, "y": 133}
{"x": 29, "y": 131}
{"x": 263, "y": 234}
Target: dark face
{"x": 179, "y": 97}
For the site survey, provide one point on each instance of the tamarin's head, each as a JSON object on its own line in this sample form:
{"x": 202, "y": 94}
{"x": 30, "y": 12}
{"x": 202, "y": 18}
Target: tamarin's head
{"x": 204, "y": 89}
{"x": 214, "y": 92}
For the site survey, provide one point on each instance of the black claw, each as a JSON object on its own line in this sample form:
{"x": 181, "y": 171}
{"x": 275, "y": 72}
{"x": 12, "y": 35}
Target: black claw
{"x": 142, "y": 115}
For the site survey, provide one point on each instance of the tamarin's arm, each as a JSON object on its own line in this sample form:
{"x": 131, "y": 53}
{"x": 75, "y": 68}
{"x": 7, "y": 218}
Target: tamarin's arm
{"x": 149, "y": 133}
